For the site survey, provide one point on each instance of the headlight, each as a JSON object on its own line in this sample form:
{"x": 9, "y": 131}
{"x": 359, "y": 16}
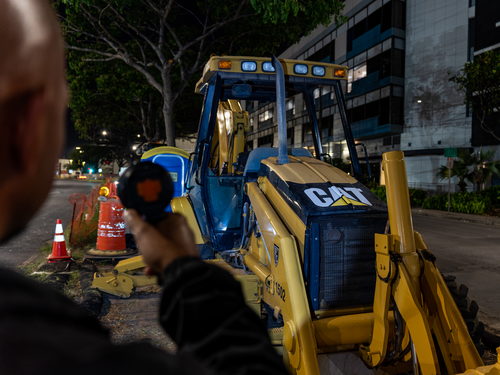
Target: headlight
{"x": 300, "y": 69}
{"x": 318, "y": 71}
{"x": 268, "y": 67}
{"x": 248, "y": 66}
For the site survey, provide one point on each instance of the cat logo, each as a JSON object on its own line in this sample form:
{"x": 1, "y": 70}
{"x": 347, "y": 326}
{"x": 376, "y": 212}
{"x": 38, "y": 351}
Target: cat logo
{"x": 337, "y": 196}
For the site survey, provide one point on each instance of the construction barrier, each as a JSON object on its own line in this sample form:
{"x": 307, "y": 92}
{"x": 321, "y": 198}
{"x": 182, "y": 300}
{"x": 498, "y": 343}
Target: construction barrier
{"x": 84, "y": 220}
{"x": 85, "y": 215}
{"x": 111, "y": 228}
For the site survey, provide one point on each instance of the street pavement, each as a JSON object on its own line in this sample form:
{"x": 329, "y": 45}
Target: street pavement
{"x": 25, "y": 246}
{"x": 471, "y": 252}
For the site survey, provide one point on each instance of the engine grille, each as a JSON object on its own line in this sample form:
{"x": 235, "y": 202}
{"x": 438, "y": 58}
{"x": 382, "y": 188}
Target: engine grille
{"x": 345, "y": 269}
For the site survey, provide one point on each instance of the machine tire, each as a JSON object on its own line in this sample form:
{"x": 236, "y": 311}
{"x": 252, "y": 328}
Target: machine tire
{"x": 469, "y": 309}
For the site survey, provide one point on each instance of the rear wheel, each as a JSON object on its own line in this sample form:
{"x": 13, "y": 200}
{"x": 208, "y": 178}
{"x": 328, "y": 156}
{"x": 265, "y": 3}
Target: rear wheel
{"x": 469, "y": 309}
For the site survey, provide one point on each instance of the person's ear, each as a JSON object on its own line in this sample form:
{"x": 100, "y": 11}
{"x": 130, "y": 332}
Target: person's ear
{"x": 29, "y": 124}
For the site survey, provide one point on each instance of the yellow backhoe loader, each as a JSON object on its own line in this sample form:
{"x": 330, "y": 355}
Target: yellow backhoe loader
{"x": 342, "y": 280}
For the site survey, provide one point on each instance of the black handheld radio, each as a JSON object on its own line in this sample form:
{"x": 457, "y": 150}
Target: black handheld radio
{"x": 147, "y": 188}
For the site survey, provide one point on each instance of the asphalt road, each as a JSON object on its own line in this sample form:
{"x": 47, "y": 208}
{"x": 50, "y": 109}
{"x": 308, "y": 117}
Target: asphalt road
{"x": 24, "y": 247}
{"x": 471, "y": 252}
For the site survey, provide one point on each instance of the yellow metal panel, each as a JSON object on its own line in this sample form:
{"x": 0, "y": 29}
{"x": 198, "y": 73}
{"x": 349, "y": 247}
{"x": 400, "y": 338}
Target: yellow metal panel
{"x": 407, "y": 301}
{"x": 288, "y": 66}
{"x": 344, "y": 330}
{"x": 292, "y": 221}
{"x": 224, "y": 130}
{"x": 130, "y": 264}
{"x": 343, "y": 311}
{"x": 120, "y": 285}
{"x": 240, "y": 127}
{"x": 398, "y": 204}
{"x": 259, "y": 269}
{"x": 182, "y": 205}
{"x": 375, "y": 353}
{"x": 487, "y": 370}
{"x": 304, "y": 170}
{"x": 453, "y": 331}
{"x": 284, "y": 288}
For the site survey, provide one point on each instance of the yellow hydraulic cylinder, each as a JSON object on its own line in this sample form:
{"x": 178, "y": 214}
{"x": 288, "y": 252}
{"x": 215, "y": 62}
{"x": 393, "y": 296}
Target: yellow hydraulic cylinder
{"x": 398, "y": 203}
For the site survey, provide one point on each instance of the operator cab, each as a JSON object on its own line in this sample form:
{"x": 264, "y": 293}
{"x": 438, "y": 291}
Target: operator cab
{"x": 223, "y": 163}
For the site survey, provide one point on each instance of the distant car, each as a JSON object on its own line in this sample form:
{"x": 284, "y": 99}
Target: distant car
{"x": 82, "y": 177}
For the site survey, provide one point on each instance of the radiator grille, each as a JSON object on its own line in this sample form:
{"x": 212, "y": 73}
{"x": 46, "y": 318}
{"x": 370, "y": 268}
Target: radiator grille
{"x": 347, "y": 260}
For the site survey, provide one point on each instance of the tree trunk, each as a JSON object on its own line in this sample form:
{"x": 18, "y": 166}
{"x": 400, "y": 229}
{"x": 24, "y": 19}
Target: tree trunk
{"x": 167, "y": 109}
{"x": 167, "y": 119}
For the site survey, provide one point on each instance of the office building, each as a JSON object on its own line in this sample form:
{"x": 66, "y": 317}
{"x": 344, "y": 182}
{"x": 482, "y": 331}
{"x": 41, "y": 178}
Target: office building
{"x": 401, "y": 55}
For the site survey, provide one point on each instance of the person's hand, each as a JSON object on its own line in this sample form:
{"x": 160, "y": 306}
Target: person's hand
{"x": 161, "y": 245}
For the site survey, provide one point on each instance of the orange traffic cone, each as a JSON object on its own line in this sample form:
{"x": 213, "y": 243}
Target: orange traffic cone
{"x": 59, "y": 252}
{"x": 110, "y": 229}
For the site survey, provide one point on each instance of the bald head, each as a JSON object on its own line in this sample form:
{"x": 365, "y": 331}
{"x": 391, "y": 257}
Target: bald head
{"x": 32, "y": 108}
{"x": 30, "y": 43}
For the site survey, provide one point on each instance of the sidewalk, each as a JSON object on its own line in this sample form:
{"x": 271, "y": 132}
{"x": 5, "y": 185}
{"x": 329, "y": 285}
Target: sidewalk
{"x": 480, "y": 219}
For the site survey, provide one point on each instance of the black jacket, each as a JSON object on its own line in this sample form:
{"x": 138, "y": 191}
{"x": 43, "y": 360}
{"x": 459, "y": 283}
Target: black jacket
{"x": 202, "y": 309}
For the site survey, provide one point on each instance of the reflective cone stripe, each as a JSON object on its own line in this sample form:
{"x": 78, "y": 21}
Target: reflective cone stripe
{"x": 59, "y": 252}
{"x": 58, "y": 238}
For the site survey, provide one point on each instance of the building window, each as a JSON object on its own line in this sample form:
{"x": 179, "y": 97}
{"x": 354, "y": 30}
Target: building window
{"x": 353, "y": 75}
{"x": 266, "y": 141}
{"x": 326, "y": 127}
{"x": 391, "y": 140}
{"x": 290, "y": 107}
{"x": 390, "y": 15}
{"x": 359, "y": 72}
{"x": 324, "y": 54}
{"x": 389, "y": 110}
{"x": 290, "y": 135}
{"x": 266, "y": 115}
{"x": 388, "y": 63}
{"x": 307, "y": 139}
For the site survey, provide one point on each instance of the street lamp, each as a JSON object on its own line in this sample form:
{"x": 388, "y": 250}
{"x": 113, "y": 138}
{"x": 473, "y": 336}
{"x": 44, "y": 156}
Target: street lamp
{"x": 138, "y": 136}
{"x": 104, "y": 132}
{"x": 134, "y": 147}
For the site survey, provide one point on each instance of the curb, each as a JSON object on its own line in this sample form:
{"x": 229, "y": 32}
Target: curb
{"x": 92, "y": 298}
{"x": 479, "y": 219}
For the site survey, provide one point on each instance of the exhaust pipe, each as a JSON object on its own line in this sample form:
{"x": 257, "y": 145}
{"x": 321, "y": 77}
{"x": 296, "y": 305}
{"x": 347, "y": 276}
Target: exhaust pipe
{"x": 280, "y": 110}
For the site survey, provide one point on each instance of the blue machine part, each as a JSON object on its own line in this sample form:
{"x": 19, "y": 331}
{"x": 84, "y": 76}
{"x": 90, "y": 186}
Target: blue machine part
{"x": 175, "y": 161}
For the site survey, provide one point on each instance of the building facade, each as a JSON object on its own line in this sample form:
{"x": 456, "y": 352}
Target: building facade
{"x": 401, "y": 56}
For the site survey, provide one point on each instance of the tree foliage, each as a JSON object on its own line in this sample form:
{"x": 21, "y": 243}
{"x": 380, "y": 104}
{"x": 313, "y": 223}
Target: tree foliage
{"x": 475, "y": 167}
{"x": 152, "y": 51}
{"x": 479, "y": 80}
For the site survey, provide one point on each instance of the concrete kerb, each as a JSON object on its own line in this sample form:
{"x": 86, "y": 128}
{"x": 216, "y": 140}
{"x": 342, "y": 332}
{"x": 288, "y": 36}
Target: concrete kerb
{"x": 480, "y": 219}
{"x": 91, "y": 299}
